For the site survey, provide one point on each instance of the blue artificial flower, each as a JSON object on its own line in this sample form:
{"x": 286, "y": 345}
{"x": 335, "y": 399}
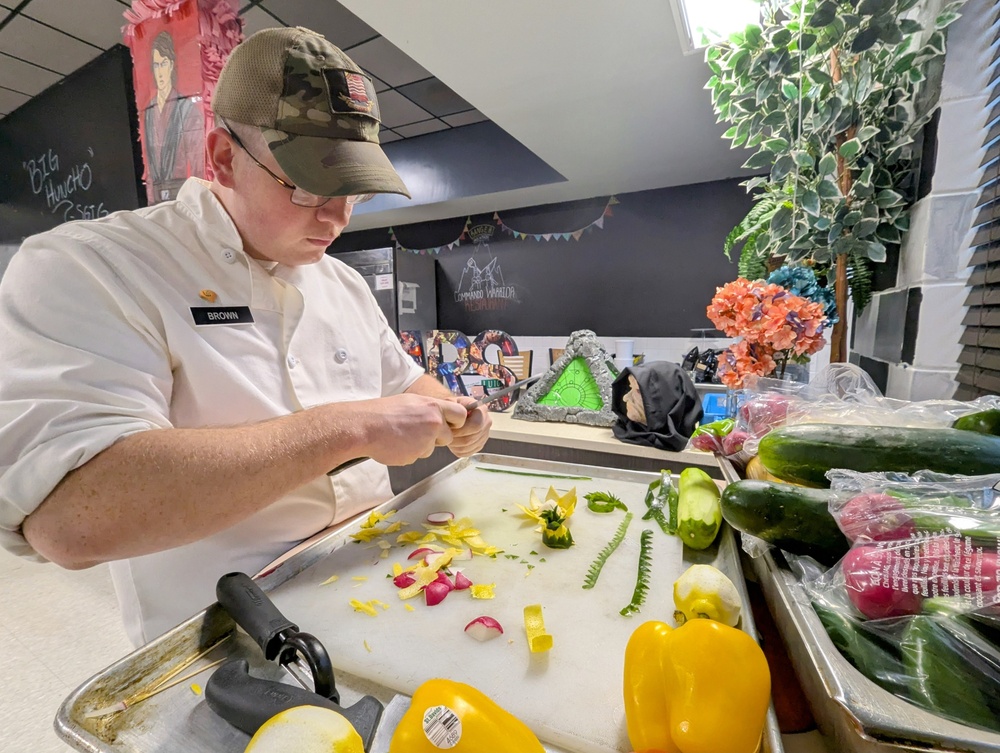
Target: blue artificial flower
{"x": 801, "y": 281}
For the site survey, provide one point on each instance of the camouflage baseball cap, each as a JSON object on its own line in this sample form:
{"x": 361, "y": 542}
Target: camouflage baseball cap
{"x": 316, "y": 109}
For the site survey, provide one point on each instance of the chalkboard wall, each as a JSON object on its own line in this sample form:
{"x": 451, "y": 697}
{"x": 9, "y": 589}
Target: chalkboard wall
{"x": 73, "y": 150}
{"x": 647, "y": 269}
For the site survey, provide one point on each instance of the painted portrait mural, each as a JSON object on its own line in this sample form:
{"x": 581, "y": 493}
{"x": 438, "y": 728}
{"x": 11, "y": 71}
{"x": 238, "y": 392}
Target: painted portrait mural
{"x": 168, "y": 88}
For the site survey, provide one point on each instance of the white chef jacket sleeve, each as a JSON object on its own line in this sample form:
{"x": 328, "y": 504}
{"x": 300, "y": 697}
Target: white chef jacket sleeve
{"x": 83, "y": 365}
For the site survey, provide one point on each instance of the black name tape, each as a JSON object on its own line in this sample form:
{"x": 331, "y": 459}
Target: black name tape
{"x": 221, "y": 315}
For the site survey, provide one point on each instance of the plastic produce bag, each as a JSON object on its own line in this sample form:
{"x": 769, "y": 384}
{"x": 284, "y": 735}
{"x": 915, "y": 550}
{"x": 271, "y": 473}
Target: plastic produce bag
{"x": 841, "y": 393}
{"x": 915, "y": 603}
{"x": 756, "y": 411}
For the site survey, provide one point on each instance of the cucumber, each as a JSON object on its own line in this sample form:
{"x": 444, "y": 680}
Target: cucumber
{"x": 874, "y": 652}
{"x": 953, "y": 670}
{"x": 699, "y": 515}
{"x": 794, "y": 518}
{"x": 805, "y": 452}
{"x": 985, "y": 422}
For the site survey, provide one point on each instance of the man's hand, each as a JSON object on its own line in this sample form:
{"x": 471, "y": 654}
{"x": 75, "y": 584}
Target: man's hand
{"x": 469, "y": 435}
{"x": 473, "y": 434}
{"x": 409, "y": 426}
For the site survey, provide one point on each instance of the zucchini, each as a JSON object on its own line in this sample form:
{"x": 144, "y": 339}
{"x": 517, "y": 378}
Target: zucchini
{"x": 805, "y": 452}
{"x": 985, "y": 422}
{"x": 794, "y": 518}
{"x": 698, "y": 512}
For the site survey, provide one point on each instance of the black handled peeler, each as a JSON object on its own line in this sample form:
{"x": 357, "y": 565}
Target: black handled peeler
{"x": 247, "y": 702}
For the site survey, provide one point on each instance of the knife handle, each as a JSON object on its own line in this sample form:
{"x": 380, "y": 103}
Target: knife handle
{"x": 246, "y": 702}
{"x": 254, "y": 612}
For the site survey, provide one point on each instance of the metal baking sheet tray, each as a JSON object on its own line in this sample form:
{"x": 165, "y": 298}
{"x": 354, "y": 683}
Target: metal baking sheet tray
{"x": 179, "y": 719}
{"x": 854, "y": 713}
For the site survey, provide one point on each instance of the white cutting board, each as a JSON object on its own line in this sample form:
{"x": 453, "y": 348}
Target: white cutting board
{"x": 570, "y": 696}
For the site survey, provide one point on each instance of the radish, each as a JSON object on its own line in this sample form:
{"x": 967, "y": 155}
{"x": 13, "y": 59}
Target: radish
{"x": 461, "y": 582}
{"x": 424, "y": 550}
{"x": 443, "y": 578}
{"x": 442, "y": 518}
{"x": 434, "y": 558}
{"x": 404, "y": 579}
{"x": 484, "y": 628}
{"x": 876, "y": 517}
{"x": 868, "y": 587}
{"x": 890, "y": 580}
{"x": 706, "y": 442}
{"x": 435, "y": 592}
{"x": 733, "y": 442}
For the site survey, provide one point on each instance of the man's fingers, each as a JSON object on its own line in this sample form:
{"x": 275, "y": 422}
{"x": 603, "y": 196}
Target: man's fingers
{"x": 453, "y": 414}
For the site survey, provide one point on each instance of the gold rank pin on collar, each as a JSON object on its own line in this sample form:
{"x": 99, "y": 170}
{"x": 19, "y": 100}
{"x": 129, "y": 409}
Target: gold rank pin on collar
{"x": 208, "y": 295}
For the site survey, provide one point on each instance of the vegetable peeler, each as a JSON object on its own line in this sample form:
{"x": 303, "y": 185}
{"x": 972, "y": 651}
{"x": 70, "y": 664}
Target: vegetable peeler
{"x": 247, "y": 702}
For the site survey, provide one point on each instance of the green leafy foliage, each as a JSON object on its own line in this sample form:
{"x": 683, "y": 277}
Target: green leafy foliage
{"x": 810, "y": 121}
{"x": 860, "y": 280}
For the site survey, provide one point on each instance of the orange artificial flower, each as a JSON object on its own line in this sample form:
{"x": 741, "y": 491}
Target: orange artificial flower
{"x": 774, "y": 324}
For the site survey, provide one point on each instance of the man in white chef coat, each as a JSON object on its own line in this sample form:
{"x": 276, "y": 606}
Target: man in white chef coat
{"x": 177, "y": 381}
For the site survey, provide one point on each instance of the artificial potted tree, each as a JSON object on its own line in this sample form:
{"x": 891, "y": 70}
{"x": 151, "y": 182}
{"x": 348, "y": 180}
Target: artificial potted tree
{"x": 832, "y": 95}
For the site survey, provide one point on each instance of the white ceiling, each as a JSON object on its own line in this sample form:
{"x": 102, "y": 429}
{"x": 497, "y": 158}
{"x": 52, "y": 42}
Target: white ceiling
{"x": 600, "y": 91}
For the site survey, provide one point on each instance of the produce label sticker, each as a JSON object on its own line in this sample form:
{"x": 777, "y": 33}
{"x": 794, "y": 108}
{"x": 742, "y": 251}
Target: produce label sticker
{"x": 442, "y": 727}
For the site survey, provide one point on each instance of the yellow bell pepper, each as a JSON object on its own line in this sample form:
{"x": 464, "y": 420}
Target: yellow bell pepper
{"x": 703, "y": 592}
{"x": 450, "y": 715}
{"x": 704, "y": 687}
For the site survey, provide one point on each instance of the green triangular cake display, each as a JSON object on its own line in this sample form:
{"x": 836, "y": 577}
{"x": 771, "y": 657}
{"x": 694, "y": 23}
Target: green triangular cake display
{"x": 577, "y": 387}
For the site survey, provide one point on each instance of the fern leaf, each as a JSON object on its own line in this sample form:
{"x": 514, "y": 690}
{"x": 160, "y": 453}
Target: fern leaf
{"x": 753, "y": 264}
{"x": 732, "y": 239}
{"x": 860, "y": 281}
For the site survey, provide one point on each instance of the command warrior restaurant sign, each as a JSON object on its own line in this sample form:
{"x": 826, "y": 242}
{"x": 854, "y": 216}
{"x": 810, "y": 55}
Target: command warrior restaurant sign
{"x": 481, "y": 286}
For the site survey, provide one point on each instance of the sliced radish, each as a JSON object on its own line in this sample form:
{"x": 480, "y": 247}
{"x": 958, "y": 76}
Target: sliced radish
{"x": 441, "y": 518}
{"x": 435, "y": 592}
{"x": 404, "y": 579}
{"x": 483, "y": 628}
{"x": 438, "y": 560}
{"x": 443, "y": 578}
{"x": 461, "y": 582}
{"x": 422, "y": 551}
{"x": 463, "y": 554}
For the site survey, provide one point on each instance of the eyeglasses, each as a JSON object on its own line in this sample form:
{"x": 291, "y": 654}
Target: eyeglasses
{"x": 300, "y": 197}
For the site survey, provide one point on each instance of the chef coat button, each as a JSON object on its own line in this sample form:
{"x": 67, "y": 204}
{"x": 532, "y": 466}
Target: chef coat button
{"x": 340, "y": 356}
{"x": 292, "y": 361}
{"x": 228, "y": 255}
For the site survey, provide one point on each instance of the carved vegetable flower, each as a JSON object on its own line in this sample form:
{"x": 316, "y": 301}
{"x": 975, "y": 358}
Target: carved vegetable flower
{"x": 553, "y": 514}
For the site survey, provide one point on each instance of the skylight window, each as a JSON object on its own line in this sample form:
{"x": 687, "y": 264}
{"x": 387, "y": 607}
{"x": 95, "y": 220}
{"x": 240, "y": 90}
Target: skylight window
{"x": 703, "y": 22}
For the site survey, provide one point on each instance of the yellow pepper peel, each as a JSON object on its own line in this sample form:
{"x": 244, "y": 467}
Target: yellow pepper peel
{"x": 445, "y": 714}
{"x": 534, "y": 627}
{"x": 703, "y": 687}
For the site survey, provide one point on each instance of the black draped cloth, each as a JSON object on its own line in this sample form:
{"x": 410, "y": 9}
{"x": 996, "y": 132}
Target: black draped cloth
{"x": 672, "y": 405}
